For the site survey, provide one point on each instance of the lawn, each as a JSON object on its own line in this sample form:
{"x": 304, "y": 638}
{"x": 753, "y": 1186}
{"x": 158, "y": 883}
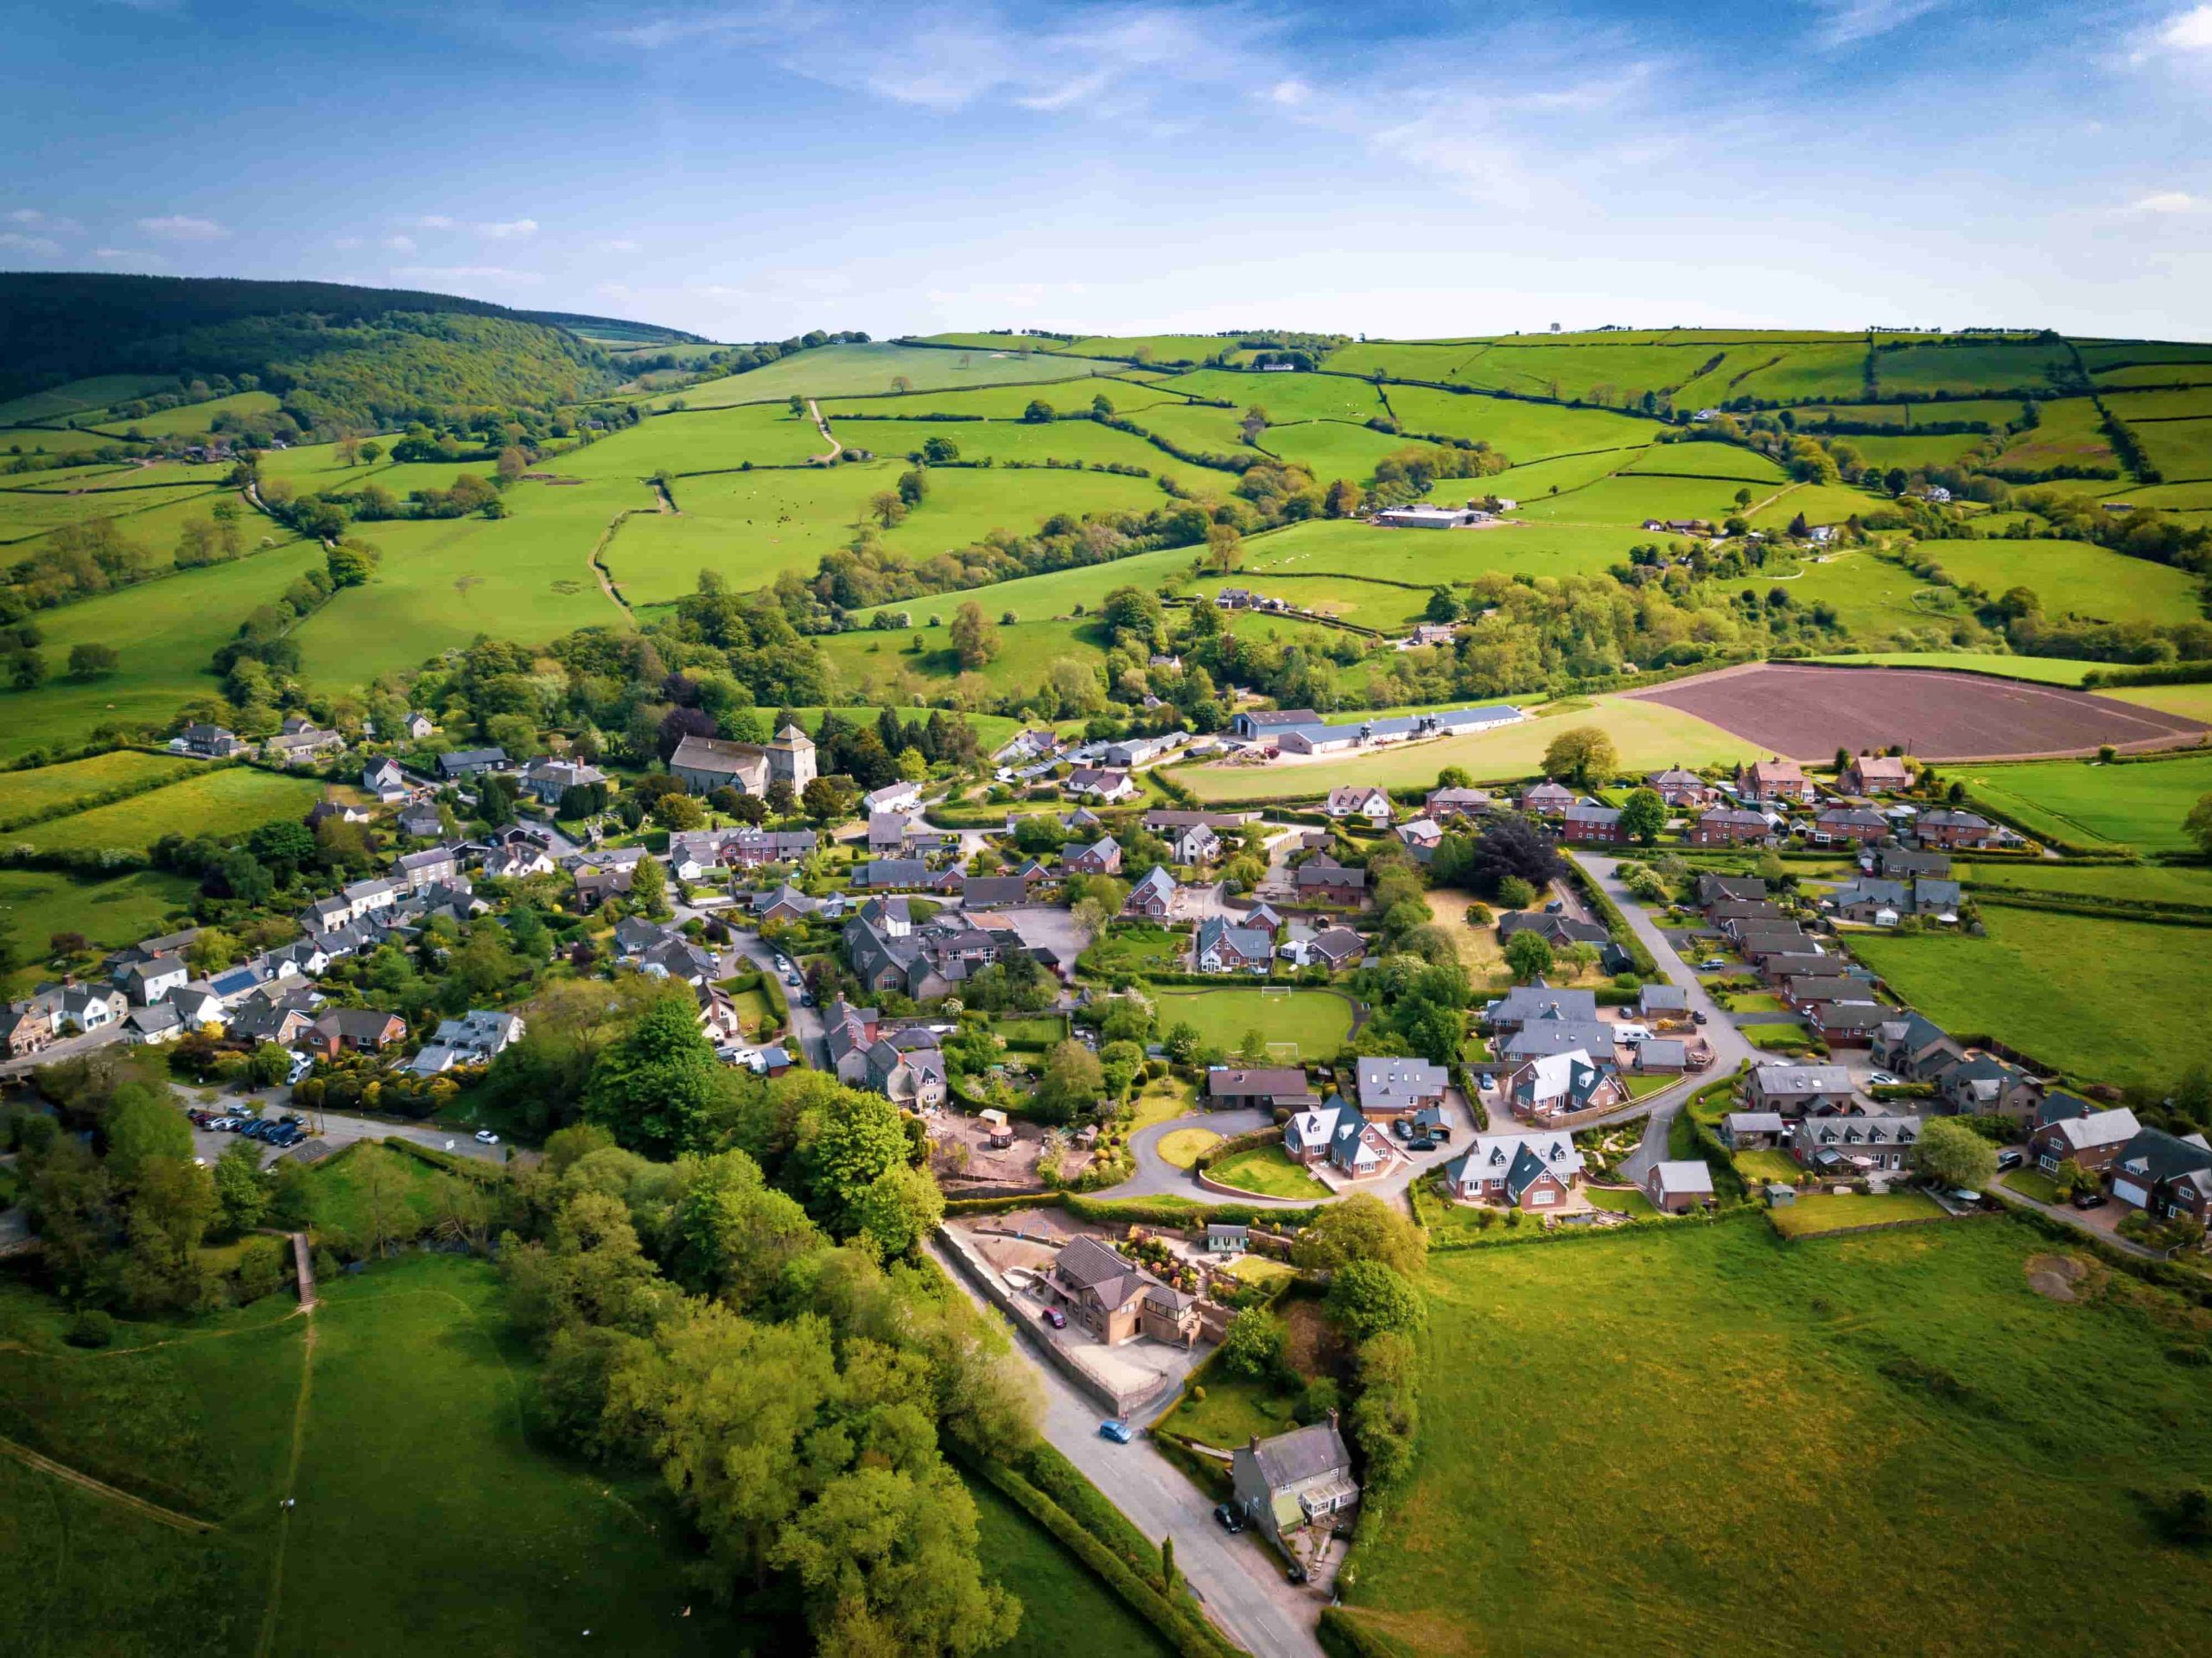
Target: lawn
{"x": 1646, "y": 734}
{"x": 1065, "y": 1609}
{"x": 1315, "y": 1021}
{"x": 47, "y": 791}
{"x": 218, "y": 802}
{"x": 1818, "y": 1213}
{"x": 2030, "y": 1183}
{"x": 1776, "y": 1036}
{"x": 110, "y": 913}
{"x": 2102, "y": 1000}
{"x": 1163, "y": 1101}
{"x": 1762, "y": 1165}
{"x": 1908, "y": 1388}
{"x": 1181, "y": 1148}
{"x": 2071, "y": 578}
{"x": 1234, "y": 1409}
{"x": 1267, "y": 1170}
{"x": 2140, "y": 804}
{"x": 1621, "y": 1200}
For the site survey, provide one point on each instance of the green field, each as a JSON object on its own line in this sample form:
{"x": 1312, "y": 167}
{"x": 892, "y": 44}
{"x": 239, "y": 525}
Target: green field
{"x": 1873, "y": 596}
{"x": 110, "y": 913}
{"x": 1521, "y": 431}
{"x": 1909, "y": 1387}
{"x": 1286, "y": 398}
{"x": 1316, "y": 1020}
{"x": 1065, "y": 1609}
{"x": 2071, "y": 434}
{"x": 2155, "y": 883}
{"x": 1000, "y": 401}
{"x": 828, "y": 370}
{"x": 1383, "y": 606}
{"x": 1708, "y": 461}
{"x": 2181, "y": 449}
{"x": 2071, "y": 577}
{"x": 2141, "y": 805}
{"x": 1821, "y": 1213}
{"x": 1058, "y": 592}
{"x": 47, "y": 790}
{"x": 83, "y": 396}
{"x": 2104, "y": 1001}
{"x": 193, "y": 418}
{"x": 1995, "y": 365}
{"x": 2193, "y": 403}
{"x": 881, "y": 667}
{"x": 1648, "y": 735}
{"x": 220, "y": 802}
{"x": 1629, "y": 501}
{"x": 1003, "y": 441}
{"x": 1332, "y": 448}
{"x": 2041, "y": 671}
{"x": 2193, "y": 701}
{"x": 1427, "y": 558}
{"x": 1267, "y": 1170}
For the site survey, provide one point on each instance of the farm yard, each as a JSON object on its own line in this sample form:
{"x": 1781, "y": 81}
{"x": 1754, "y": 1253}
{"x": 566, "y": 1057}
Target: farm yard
{"x": 1906, "y": 1384}
{"x": 1808, "y": 712}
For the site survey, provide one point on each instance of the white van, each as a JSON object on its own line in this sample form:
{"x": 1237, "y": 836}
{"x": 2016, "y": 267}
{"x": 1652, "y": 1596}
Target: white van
{"x": 1629, "y": 1035}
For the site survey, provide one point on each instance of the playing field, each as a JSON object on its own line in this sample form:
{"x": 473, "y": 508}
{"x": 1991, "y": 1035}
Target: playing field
{"x": 1647, "y": 736}
{"x": 1907, "y": 1386}
{"x": 1315, "y": 1021}
{"x": 2104, "y": 1001}
{"x": 49, "y": 790}
{"x": 2139, "y": 805}
{"x": 220, "y": 803}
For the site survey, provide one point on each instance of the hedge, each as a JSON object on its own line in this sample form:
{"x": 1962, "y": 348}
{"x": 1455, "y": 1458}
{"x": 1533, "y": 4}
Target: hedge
{"x": 2153, "y": 912}
{"x": 2180, "y": 673}
{"x": 483, "y": 1173}
{"x": 1342, "y": 1636}
{"x": 1152, "y": 1212}
{"x": 1235, "y": 1143}
{"x": 2193, "y": 1287}
{"x": 1503, "y": 1237}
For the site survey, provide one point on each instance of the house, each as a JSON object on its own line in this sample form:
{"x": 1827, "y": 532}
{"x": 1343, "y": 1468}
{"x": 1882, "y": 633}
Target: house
{"x": 1268, "y": 1089}
{"x": 1334, "y": 948}
{"x": 706, "y": 764}
{"x": 993, "y": 892}
{"x": 362, "y": 1030}
{"x": 384, "y": 779}
{"x": 2164, "y": 1177}
{"x": 1675, "y": 1188}
{"x": 1222, "y": 947}
{"x": 1846, "y": 1024}
{"x": 2093, "y": 1140}
{"x": 600, "y": 876}
{"x": 1101, "y": 858}
{"x": 1540, "y": 1037}
{"x": 1352, "y": 800}
{"x": 427, "y": 867}
{"x": 1560, "y": 931}
{"x": 1355, "y": 1148}
{"x": 1751, "y": 1131}
{"x": 1295, "y": 1479}
{"x": 1546, "y": 799}
{"x": 1660, "y": 1056}
{"x": 1774, "y": 779}
{"x": 890, "y": 874}
{"x": 1907, "y": 863}
{"x": 1392, "y": 1085}
{"x": 470, "y": 762}
{"x": 1324, "y": 880}
{"x": 901, "y": 797}
{"x": 1153, "y": 897}
{"x": 1729, "y": 913}
{"x": 1954, "y": 828}
{"x": 1165, "y": 823}
{"x": 1678, "y": 787}
{"x": 1601, "y": 823}
{"x": 1555, "y": 1084}
{"x": 1521, "y": 1171}
{"x": 549, "y": 780}
{"x": 887, "y": 834}
{"x": 1196, "y": 843}
{"x": 514, "y": 863}
{"x": 1982, "y": 1085}
{"x": 421, "y": 821}
{"x": 29, "y": 1025}
{"x": 325, "y": 808}
{"x": 1913, "y": 1048}
{"x": 147, "y": 1026}
{"x": 1853, "y": 823}
{"x": 89, "y": 1008}
{"x": 1759, "y": 941}
{"x": 1227, "y": 1238}
{"x": 1457, "y": 803}
{"x": 1801, "y": 1091}
{"x": 1099, "y": 783}
{"x": 196, "y": 1007}
{"x": 891, "y": 916}
{"x": 1726, "y": 889}
{"x": 417, "y": 725}
{"x": 1876, "y": 774}
{"x": 1115, "y": 1300}
{"x": 1026, "y": 745}
{"x": 1663, "y": 1002}
{"x": 1525, "y": 1003}
{"x": 282, "y": 1022}
{"x": 147, "y": 982}
{"x": 1845, "y": 1146}
{"x": 208, "y": 742}
{"x": 1731, "y": 826}
{"x": 1259, "y": 723}
{"x": 483, "y": 1032}
{"x": 300, "y": 740}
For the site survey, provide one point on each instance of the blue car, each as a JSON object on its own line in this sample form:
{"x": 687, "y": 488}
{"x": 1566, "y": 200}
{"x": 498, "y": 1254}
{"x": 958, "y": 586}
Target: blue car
{"x": 1116, "y": 1430}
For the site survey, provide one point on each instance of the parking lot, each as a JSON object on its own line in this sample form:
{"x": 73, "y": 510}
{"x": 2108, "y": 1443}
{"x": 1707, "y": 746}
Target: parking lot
{"x": 333, "y": 1129}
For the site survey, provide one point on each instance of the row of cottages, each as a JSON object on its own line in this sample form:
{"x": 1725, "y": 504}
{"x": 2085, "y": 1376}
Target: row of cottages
{"x": 1875, "y": 902}
{"x": 700, "y": 855}
{"x": 1338, "y": 1133}
{"x": 906, "y": 1065}
{"x": 1734, "y": 826}
{"x": 1362, "y": 800}
{"x": 1116, "y": 1301}
{"x": 706, "y": 764}
{"x": 1516, "y": 1171}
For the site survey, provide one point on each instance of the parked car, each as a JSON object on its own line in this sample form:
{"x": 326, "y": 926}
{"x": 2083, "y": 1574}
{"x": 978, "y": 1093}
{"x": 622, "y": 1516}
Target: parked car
{"x": 1115, "y": 1429}
{"x": 1881, "y": 1079}
{"x": 1696, "y": 1016}
{"x": 1401, "y": 1127}
{"x": 301, "y": 1065}
{"x": 1426, "y": 1143}
{"x": 2090, "y": 1200}
{"x": 1055, "y": 1317}
{"x": 2011, "y": 1158}
{"x": 486, "y": 1137}
{"x": 1711, "y": 962}
{"x": 1296, "y": 1573}
{"x": 1229, "y": 1520}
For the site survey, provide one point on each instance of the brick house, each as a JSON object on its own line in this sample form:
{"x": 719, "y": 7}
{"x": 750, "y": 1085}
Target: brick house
{"x": 1267, "y": 1089}
{"x": 1116, "y": 1300}
{"x": 1104, "y": 858}
{"x": 1678, "y": 1187}
{"x": 1953, "y": 828}
{"x": 1855, "y": 824}
{"x": 360, "y": 1030}
{"x": 1546, "y": 799}
{"x": 1774, "y": 779}
{"x": 1153, "y": 897}
{"x": 1731, "y": 826}
{"x": 1601, "y": 823}
{"x": 1535, "y": 1170}
{"x": 1874, "y": 774}
{"x": 1853, "y": 1145}
{"x": 1678, "y": 787}
{"x": 1324, "y": 880}
{"x": 2165, "y": 1176}
{"x": 2093, "y": 1140}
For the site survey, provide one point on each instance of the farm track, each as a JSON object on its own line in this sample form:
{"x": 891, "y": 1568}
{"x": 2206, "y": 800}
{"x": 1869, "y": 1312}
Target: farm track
{"x": 137, "y": 1505}
{"x": 822, "y": 425}
{"x": 599, "y": 556}
{"x": 267, "y": 1640}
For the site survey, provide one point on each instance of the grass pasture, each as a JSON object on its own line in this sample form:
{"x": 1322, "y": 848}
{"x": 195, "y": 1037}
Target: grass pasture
{"x": 224, "y": 802}
{"x": 109, "y": 913}
{"x": 1427, "y": 558}
{"x": 997, "y": 402}
{"x": 1906, "y": 1386}
{"x": 1627, "y": 500}
{"x": 1286, "y": 398}
{"x": 2186, "y": 883}
{"x": 1316, "y": 1022}
{"x": 830, "y": 370}
{"x": 2190, "y": 403}
{"x": 2193, "y": 701}
{"x": 2041, "y": 671}
{"x": 1822, "y": 1214}
{"x": 1058, "y": 593}
{"x": 2180, "y": 449}
{"x": 2070, "y": 434}
{"x": 83, "y": 396}
{"x": 189, "y": 420}
{"x": 2075, "y": 578}
{"x": 49, "y": 789}
{"x": 1520, "y": 430}
{"x": 1707, "y": 461}
{"x": 2141, "y": 805}
{"x": 1966, "y": 368}
{"x": 2104, "y": 1001}
{"x": 1876, "y": 598}
{"x": 1333, "y": 448}
{"x": 1001, "y": 442}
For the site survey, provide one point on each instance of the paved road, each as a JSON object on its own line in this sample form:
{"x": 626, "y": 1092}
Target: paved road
{"x": 1155, "y": 1177}
{"x": 1238, "y": 1578}
{"x": 66, "y": 1048}
{"x": 807, "y": 1025}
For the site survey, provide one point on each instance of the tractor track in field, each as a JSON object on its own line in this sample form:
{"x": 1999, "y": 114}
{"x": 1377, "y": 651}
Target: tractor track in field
{"x": 137, "y": 1505}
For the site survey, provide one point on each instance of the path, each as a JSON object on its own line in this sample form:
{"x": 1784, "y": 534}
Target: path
{"x": 599, "y": 554}
{"x": 1237, "y": 1578}
{"x": 137, "y": 1505}
{"x": 266, "y": 1641}
{"x": 829, "y": 437}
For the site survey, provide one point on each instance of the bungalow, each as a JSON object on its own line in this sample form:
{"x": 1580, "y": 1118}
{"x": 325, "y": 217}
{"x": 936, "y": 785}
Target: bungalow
{"x": 784, "y": 903}
{"x": 1164, "y": 821}
{"x": 1801, "y": 1091}
{"x": 1875, "y": 774}
{"x": 1731, "y": 827}
{"x": 1097, "y": 783}
{"x": 470, "y": 762}
{"x": 1757, "y": 942}
{"x": 1853, "y": 823}
{"x": 1560, "y": 931}
{"x": 1953, "y": 828}
{"x": 1391, "y": 1086}
{"x": 1222, "y": 947}
{"x": 1103, "y": 858}
{"x": 1748, "y": 1130}
{"x": 1546, "y": 799}
{"x": 363, "y": 1030}
{"x": 1153, "y": 896}
{"x": 1853, "y": 1145}
{"x": 1230, "y": 1087}
{"x": 1458, "y": 803}
{"x": 1678, "y": 787}
{"x": 993, "y": 892}
{"x": 2166, "y": 1177}
{"x": 1336, "y": 948}
{"x": 1592, "y": 823}
{"x": 1351, "y": 800}
{"x": 1659, "y": 1056}
{"x": 1116, "y": 1300}
{"x": 1324, "y": 880}
{"x": 1720, "y": 889}
{"x": 482, "y": 1033}
{"x": 1521, "y": 1171}
{"x": 1554, "y": 1085}
{"x": 1675, "y": 1188}
{"x": 1742, "y": 911}
{"x": 890, "y": 874}
{"x": 1774, "y": 779}
{"x": 2092, "y": 1140}
{"x": 1294, "y": 1479}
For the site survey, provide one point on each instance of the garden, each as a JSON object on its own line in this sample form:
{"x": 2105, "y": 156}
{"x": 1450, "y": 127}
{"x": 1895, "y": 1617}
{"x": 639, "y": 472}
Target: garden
{"x": 1267, "y": 1171}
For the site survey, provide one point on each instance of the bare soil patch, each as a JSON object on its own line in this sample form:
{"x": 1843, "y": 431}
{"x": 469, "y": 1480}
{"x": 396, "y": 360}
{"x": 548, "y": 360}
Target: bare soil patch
{"x": 2055, "y": 1276}
{"x": 1808, "y": 712}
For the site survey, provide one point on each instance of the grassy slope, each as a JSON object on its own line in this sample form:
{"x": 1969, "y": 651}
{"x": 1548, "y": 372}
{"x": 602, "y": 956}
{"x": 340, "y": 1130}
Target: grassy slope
{"x": 225, "y": 803}
{"x": 1659, "y": 1411}
{"x": 830, "y": 370}
{"x": 49, "y": 787}
{"x": 2141, "y": 805}
{"x": 1064, "y": 1609}
{"x": 2174, "y": 884}
{"x": 2115, "y": 1001}
{"x": 2072, "y": 577}
{"x": 109, "y": 913}
{"x": 2042, "y": 670}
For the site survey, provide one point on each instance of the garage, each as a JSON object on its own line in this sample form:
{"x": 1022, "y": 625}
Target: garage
{"x": 2128, "y": 1192}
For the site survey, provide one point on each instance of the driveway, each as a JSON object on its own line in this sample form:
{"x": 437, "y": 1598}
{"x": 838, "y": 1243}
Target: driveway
{"x": 1238, "y": 1578}
{"x": 1156, "y": 1178}
{"x": 335, "y": 1130}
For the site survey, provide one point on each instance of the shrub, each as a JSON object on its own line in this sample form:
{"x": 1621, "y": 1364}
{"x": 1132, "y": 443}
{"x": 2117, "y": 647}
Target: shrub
{"x": 90, "y": 1327}
{"x": 1253, "y": 1345}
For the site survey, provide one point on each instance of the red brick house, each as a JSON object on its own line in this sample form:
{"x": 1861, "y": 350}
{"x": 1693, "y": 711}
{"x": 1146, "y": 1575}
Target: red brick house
{"x": 1873, "y": 774}
{"x": 1953, "y": 828}
{"x": 1102, "y": 859}
{"x": 1324, "y": 880}
{"x": 1677, "y": 1188}
{"x": 359, "y": 1030}
{"x": 1730, "y": 828}
{"x": 1678, "y": 787}
{"x": 1116, "y": 1300}
{"x": 1852, "y": 823}
{"x": 1775, "y": 779}
{"x": 2093, "y": 1142}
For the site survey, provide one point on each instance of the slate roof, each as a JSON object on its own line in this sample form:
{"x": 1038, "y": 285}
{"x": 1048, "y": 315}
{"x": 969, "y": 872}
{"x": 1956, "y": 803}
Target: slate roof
{"x": 1302, "y": 1454}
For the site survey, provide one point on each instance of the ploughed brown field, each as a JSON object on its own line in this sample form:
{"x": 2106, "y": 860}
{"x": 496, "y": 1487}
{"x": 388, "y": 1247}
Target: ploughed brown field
{"x": 1804, "y": 712}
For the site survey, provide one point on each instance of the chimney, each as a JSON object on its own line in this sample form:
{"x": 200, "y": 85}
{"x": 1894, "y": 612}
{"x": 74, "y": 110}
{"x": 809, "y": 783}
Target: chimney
{"x": 1254, "y": 1445}
{"x": 1332, "y": 1419}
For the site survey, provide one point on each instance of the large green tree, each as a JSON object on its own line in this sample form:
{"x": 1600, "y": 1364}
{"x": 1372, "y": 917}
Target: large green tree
{"x": 1581, "y": 755}
{"x": 1953, "y": 1154}
{"x": 653, "y": 1087}
{"x": 844, "y": 1146}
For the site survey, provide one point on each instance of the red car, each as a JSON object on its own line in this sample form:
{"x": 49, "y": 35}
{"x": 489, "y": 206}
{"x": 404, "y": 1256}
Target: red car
{"x": 1055, "y": 1317}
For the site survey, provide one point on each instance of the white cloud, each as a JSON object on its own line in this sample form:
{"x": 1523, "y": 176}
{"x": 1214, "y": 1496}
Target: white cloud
{"x": 400, "y": 243}
{"x": 434, "y": 222}
{"x": 137, "y": 255}
{"x": 17, "y": 242}
{"x": 183, "y": 227}
{"x": 1845, "y": 22}
{"x": 510, "y": 230}
{"x": 2166, "y": 201}
{"x": 462, "y": 273}
{"x": 46, "y": 222}
{"x": 618, "y": 245}
{"x": 1289, "y": 91}
{"x": 507, "y": 230}
{"x": 2188, "y": 31}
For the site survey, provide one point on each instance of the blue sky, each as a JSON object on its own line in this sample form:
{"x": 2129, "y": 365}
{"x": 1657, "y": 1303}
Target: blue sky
{"x": 750, "y": 171}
